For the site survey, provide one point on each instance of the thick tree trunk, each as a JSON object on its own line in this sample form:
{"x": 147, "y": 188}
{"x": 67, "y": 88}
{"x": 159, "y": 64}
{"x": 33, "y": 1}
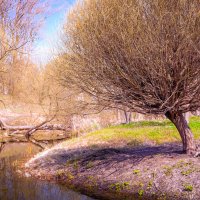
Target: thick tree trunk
{"x": 187, "y": 137}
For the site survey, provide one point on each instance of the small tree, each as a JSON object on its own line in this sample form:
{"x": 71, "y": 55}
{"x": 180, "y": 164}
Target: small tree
{"x": 144, "y": 55}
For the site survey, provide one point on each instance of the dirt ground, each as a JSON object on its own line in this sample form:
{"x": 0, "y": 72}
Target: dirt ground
{"x": 144, "y": 172}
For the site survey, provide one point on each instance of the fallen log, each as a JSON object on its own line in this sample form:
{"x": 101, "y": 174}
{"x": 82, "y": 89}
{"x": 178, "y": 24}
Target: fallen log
{"x": 44, "y": 126}
{"x": 25, "y": 133}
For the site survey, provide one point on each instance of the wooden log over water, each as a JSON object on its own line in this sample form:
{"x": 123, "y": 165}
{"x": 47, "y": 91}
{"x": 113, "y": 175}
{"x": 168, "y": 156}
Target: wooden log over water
{"x": 4, "y": 126}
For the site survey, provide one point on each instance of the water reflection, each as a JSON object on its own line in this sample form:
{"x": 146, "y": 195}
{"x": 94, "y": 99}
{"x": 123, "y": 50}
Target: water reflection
{"x": 14, "y": 187}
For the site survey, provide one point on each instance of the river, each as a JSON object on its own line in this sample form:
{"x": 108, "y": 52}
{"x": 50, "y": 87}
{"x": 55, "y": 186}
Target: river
{"x": 14, "y": 186}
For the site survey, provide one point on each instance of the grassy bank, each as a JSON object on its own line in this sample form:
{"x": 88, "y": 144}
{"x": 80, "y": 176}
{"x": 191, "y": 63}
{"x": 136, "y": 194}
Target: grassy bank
{"x": 141, "y": 160}
{"x": 136, "y": 133}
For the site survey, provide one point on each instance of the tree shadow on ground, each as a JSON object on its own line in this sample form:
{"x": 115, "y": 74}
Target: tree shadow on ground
{"x": 107, "y": 156}
{"x": 107, "y": 169}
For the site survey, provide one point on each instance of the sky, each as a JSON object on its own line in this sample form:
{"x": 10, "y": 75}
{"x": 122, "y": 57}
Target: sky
{"x": 48, "y": 36}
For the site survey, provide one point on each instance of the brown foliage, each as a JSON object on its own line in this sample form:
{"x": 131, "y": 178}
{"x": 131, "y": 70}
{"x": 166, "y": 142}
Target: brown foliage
{"x": 20, "y": 21}
{"x": 144, "y": 55}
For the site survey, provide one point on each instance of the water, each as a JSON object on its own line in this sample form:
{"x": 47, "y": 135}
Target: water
{"x": 15, "y": 187}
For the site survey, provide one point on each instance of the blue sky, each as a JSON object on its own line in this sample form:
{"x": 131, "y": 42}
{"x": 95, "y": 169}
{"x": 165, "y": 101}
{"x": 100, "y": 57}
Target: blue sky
{"x": 49, "y": 32}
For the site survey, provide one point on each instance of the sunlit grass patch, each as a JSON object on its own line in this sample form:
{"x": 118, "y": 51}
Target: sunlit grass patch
{"x": 136, "y": 133}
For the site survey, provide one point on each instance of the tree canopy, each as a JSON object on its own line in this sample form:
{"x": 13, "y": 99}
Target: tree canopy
{"x": 144, "y": 55}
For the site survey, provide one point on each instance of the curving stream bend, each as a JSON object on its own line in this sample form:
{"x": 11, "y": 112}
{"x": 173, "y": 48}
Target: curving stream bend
{"x": 16, "y": 187}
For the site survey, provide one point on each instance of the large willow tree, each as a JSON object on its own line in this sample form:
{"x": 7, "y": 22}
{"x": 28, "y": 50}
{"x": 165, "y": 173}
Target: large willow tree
{"x": 141, "y": 54}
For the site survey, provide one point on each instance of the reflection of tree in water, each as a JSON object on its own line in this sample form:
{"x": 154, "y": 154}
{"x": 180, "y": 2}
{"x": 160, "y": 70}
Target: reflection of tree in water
{"x": 13, "y": 186}
{"x": 4, "y": 178}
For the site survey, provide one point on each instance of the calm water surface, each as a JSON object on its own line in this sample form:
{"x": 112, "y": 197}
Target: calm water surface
{"x": 15, "y": 187}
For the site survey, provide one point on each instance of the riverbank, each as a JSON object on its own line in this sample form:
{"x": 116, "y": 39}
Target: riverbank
{"x": 136, "y": 161}
{"x": 16, "y": 185}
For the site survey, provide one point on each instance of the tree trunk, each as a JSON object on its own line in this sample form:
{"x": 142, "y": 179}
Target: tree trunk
{"x": 127, "y": 116}
{"x": 178, "y": 119}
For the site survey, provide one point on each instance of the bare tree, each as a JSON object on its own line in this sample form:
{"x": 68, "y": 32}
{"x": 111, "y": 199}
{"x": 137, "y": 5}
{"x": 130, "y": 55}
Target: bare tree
{"x": 143, "y": 55}
{"x": 19, "y": 24}
{"x": 20, "y": 21}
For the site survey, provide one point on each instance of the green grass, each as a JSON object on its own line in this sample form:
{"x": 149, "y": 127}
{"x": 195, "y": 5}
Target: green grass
{"x": 136, "y": 133}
